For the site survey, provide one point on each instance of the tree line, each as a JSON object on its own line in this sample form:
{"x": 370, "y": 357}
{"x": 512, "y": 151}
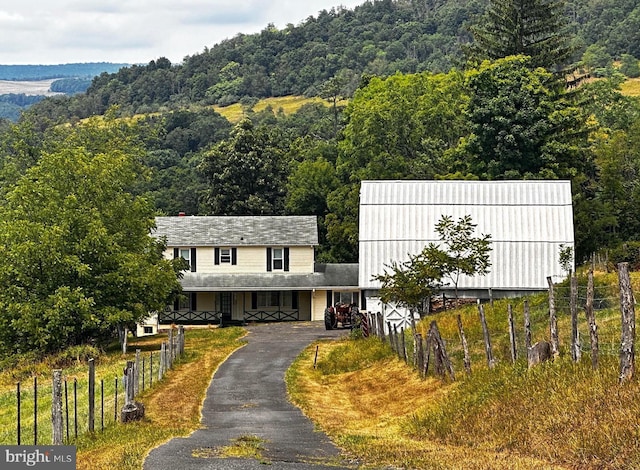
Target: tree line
{"x": 380, "y": 38}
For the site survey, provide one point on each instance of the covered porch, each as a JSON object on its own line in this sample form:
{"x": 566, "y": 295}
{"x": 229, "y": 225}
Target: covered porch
{"x": 216, "y": 299}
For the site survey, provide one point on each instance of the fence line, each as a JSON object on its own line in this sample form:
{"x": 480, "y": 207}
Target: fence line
{"x": 424, "y": 350}
{"x": 54, "y": 413}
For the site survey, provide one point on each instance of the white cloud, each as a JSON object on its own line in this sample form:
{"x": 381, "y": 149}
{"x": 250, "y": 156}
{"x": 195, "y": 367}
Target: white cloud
{"x": 136, "y": 31}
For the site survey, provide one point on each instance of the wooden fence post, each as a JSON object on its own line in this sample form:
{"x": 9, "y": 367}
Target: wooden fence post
{"x": 129, "y": 383}
{"x": 427, "y": 352}
{"x": 92, "y": 394}
{"x": 553, "y": 320}
{"x": 418, "y": 357}
{"x": 573, "y": 307}
{"x": 380, "y": 317}
{"x": 56, "y": 408}
{"x": 161, "y": 367}
{"x": 591, "y": 320}
{"x": 465, "y": 346}
{"x": 391, "y": 338}
{"x": 512, "y": 335}
{"x": 443, "y": 364}
{"x": 136, "y": 374}
{"x": 527, "y": 326}
{"x": 487, "y": 339}
{"x": 403, "y": 345}
{"x": 170, "y": 349}
{"x": 181, "y": 336}
{"x": 627, "y": 346}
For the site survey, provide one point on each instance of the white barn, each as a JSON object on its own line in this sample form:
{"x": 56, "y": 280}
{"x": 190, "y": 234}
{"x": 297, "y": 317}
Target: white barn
{"x": 529, "y": 222}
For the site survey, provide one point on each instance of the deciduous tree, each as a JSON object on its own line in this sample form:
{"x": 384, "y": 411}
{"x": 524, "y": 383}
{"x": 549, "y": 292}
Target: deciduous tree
{"x": 78, "y": 257}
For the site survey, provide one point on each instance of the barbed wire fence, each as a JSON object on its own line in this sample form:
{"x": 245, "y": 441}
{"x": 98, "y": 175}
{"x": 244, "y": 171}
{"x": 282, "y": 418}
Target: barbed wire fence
{"x": 428, "y": 349}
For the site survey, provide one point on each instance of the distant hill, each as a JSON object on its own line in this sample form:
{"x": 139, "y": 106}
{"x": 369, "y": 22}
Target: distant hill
{"x": 46, "y": 72}
{"x": 21, "y": 86}
{"x": 338, "y": 47}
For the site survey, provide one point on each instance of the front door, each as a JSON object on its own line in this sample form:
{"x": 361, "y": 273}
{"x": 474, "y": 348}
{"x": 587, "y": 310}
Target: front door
{"x": 225, "y": 305}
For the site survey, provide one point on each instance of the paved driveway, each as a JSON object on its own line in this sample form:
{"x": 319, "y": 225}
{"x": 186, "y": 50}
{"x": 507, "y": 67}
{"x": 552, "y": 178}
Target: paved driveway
{"x": 247, "y": 397}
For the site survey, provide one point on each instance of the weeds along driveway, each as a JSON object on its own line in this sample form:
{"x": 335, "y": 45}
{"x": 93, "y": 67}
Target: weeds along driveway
{"x": 247, "y": 403}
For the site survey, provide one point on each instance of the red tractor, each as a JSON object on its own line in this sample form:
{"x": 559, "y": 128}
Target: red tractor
{"x": 344, "y": 315}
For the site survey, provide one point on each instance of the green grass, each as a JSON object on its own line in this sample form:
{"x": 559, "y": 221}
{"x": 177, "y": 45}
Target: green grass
{"x": 172, "y": 405}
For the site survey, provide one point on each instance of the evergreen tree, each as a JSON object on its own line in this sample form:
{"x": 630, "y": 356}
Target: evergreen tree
{"x": 535, "y": 28}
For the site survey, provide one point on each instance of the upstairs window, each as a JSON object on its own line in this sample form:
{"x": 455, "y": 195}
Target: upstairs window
{"x": 188, "y": 254}
{"x": 226, "y": 256}
{"x": 278, "y": 259}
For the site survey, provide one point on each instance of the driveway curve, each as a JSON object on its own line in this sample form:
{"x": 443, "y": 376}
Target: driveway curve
{"x": 247, "y": 397}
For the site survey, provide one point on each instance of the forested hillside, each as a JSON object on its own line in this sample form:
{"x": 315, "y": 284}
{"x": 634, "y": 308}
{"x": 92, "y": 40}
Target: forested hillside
{"x": 417, "y": 109}
{"x": 331, "y": 51}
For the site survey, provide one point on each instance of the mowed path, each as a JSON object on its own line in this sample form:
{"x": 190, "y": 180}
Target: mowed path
{"x": 247, "y": 397}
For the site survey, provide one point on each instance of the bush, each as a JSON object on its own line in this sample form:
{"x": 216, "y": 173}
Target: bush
{"x": 627, "y": 252}
{"x": 630, "y": 66}
{"x": 74, "y": 355}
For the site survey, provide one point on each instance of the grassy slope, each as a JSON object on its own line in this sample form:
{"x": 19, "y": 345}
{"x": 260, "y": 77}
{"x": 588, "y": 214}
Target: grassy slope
{"x": 558, "y": 415}
{"x": 171, "y": 410}
{"x": 172, "y": 406}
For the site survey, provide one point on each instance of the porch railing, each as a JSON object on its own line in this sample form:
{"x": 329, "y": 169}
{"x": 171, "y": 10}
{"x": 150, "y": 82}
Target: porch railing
{"x": 190, "y": 317}
{"x": 278, "y": 315}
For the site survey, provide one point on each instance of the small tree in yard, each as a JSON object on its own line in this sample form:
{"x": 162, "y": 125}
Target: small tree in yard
{"x": 463, "y": 253}
{"x": 413, "y": 282}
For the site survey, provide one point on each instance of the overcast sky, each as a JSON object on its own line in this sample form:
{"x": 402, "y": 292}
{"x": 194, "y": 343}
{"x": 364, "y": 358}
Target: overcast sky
{"x": 136, "y": 31}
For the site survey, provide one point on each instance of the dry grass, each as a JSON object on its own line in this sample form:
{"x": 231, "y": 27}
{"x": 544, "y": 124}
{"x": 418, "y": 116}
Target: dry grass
{"x": 174, "y": 409}
{"x": 287, "y": 104}
{"x": 631, "y": 87}
{"x": 558, "y": 415}
{"x": 368, "y": 414}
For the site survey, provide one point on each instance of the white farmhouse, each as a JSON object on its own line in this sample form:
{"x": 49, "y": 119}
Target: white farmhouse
{"x": 250, "y": 269}
{"x": 529, "y": 223}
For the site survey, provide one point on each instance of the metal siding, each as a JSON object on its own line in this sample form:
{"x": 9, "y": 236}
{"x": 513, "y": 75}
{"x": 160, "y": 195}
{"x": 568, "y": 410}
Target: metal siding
{"x": 528, "y": 221}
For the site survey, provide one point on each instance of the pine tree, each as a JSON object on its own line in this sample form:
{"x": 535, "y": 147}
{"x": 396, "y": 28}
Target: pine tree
{"x": 536, "y": 28}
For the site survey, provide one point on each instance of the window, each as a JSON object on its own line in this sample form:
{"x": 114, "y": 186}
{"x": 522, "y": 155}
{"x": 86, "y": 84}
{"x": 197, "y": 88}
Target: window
{"x": 188, "y": 254}
{"x": 268, "y": 299}
{"x": 148, "y": 330}
{"x": 226, "y": 256}
{"x": 277, "y": 259}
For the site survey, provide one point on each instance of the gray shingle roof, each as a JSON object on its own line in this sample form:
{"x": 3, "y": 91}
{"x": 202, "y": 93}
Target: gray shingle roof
{"x": 238, "y": 230}
{"x": 326, "y": 276}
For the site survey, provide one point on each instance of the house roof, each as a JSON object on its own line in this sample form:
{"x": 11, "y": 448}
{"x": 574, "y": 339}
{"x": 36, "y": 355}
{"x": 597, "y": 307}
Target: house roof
{"x": 238, "y": 230}
{"x": 326, "y": 276}
{"x": 527, "y": 221}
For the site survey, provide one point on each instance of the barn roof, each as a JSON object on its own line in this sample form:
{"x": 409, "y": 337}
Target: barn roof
{"x": 238, "y": 230}
{"x": 527, "y": 221}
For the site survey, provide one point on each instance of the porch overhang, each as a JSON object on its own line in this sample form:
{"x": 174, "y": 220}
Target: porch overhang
{"x": 325, "y": 277}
